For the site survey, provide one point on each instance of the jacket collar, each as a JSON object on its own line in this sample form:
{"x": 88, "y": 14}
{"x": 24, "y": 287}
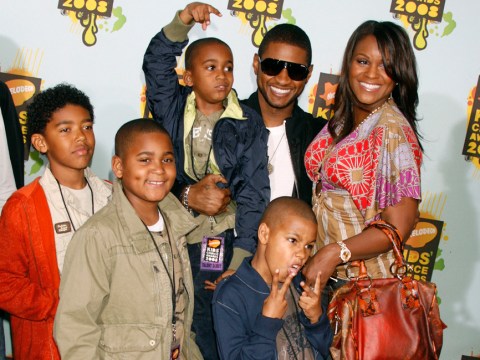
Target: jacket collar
{"x": 100, "y": 188}
{"x": 250, "y": 277}
{"x": 232, "y": 109}
{"x": 292, "y": 126}
{"x": 177, "y": 219}
{"x": 254, "y": 103}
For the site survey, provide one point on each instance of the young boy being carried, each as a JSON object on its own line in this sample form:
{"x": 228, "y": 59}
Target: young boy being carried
{"x": 265, "y": 310}
{"x": 39, "y": 219}
{"x": 217, "y": 141}
{"x": 127, "y": 288}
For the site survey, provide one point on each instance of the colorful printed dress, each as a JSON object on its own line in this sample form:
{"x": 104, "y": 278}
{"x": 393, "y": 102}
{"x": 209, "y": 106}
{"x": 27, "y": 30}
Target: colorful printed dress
{"x": 374, "y": 167}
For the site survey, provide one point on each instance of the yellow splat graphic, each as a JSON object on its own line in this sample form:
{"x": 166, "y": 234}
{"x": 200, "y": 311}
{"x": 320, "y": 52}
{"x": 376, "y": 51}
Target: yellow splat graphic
{"x": 421, "y": 32}
{"x": 92, "y": 16}
{"x": 91, "y": 29}
{"x": 259, "y": 28}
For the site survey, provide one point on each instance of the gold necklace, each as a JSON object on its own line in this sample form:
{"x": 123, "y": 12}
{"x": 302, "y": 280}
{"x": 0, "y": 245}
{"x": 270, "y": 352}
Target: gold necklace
{"x": 371, "y": 114}
{"x": 269, "y": 165}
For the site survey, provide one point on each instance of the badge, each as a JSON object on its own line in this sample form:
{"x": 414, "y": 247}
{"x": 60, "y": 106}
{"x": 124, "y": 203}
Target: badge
{"x": 213, "y": 248}
{"x": 62, "y": 227}
{"x": 175, "y": 351}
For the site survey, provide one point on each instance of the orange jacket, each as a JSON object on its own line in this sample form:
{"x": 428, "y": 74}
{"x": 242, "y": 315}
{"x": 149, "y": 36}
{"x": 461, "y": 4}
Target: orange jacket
{"x": 29, "y": 276}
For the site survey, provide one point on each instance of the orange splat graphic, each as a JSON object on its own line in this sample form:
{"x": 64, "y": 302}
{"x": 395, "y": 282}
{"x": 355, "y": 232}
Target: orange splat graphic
{"x": 329, "y": 94}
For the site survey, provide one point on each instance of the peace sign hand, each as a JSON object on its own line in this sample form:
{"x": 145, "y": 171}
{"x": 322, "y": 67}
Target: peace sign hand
{"x": 275, "y": 304}
{"x": 310, "y": 300}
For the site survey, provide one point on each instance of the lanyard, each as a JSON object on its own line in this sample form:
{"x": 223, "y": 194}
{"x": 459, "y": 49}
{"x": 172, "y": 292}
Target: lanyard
{"x": 171, "y": 277}
{"x": 65, "y": 204}
{"x": 192, "y": 158}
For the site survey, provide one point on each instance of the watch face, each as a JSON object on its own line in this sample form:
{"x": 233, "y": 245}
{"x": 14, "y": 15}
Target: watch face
{"x": 345, "y": 255}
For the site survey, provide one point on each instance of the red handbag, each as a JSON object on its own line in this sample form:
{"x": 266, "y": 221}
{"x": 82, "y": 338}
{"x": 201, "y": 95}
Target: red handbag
{"x": 393, "y": 318}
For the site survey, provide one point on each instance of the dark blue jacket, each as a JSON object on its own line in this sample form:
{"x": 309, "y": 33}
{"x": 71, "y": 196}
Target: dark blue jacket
{"x": 242, "y": 331}
{"x": 239, "y": 146}
{"x": 301, "y": 128}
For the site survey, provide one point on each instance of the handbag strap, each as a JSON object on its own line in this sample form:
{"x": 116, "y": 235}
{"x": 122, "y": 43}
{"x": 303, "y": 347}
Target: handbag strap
{"x": 399, "y": 267}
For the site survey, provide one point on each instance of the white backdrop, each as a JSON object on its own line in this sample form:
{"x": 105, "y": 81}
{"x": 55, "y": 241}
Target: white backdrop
{"x": 37, "y": 39}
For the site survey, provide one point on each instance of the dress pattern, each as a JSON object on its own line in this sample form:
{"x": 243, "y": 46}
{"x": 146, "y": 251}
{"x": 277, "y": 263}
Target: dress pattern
{"x": 378, "y": 163}
{"x": 372, "y": 168}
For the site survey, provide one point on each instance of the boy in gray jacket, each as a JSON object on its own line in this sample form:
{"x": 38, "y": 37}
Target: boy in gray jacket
{"x": 127, "y": 286}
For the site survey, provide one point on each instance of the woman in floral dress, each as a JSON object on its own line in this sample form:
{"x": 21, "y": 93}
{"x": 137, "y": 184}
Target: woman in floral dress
{"x": 366, "y": 165}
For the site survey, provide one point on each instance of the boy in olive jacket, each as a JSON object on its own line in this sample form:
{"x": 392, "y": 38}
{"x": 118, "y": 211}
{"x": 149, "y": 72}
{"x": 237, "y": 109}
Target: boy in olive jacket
{"x": 127, "y": 288}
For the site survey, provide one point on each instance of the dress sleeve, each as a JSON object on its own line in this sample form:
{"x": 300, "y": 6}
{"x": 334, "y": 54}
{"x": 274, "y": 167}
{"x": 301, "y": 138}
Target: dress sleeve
{"x": 399, "y": 157}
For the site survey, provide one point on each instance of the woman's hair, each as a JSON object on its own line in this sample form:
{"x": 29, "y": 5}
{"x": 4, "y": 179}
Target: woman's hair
{"x": 400, "y": 65}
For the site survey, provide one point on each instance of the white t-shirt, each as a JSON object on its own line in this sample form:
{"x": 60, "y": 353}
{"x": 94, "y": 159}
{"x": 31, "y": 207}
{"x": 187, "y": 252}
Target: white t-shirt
{"x": 79, "y": 206}
{"x": 83, "y": 198}
{"x": 7, "y": 180}
{"x": 158, "y": 226}
{"x": 281, "y": 175}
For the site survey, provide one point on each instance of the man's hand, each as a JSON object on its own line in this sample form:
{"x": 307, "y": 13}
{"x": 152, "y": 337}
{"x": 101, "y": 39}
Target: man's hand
{"x": 275, "y": 305}
{"x": 198, "y": 12}
{"x": 206, "y": 198}
{"x": 310, "y": 300}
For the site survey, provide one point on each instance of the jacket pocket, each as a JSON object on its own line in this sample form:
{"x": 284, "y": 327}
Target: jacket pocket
{"x": 130, "y": 338}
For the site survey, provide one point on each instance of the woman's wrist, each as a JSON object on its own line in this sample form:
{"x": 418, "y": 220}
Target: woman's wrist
{"x": 345, "y": 253}
{"x": 334, "y": 256}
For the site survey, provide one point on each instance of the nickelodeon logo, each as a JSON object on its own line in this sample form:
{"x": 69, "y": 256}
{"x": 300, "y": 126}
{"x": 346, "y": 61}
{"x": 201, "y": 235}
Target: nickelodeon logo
{"x": 21, "y": 89}
{"x": 423, "y": 233}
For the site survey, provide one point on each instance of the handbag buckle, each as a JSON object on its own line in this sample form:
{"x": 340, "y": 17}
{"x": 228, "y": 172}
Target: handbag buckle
{"x": 409, "y": 293}
{"x": 399, "y": 271}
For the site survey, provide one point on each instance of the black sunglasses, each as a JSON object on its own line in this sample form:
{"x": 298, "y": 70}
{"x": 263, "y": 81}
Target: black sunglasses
{"x": 273, "y": 67}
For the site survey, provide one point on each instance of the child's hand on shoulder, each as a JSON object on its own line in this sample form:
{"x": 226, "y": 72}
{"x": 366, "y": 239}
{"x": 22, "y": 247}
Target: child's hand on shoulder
{"x": 198, "y": 12}
{"x": 310, "y": 300}
{"x": 275, "y": 305}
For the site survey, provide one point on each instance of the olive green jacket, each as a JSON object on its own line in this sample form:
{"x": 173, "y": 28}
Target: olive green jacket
{"x": 115, "y": 295}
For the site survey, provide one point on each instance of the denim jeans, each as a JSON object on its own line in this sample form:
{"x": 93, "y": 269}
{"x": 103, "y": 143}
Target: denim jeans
{"x": 202, "y": 314}
{"x": 2, "y": 336}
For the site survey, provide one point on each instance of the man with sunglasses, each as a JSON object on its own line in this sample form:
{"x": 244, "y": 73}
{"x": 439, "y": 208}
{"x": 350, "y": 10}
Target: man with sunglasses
{"x": 283, "y": 67}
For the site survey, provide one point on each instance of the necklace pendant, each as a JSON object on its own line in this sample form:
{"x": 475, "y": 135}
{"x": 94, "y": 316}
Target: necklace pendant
{"x": 270, "y": 168}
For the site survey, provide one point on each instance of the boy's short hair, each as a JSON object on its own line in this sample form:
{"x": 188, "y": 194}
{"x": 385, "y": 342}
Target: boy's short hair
{"x": 41, "y": 109}
{"x": 127, "y": 132}
{"x": 197, "y": 45}
{"x": 283, "y": 207}
{"x": 288, "y": 34}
